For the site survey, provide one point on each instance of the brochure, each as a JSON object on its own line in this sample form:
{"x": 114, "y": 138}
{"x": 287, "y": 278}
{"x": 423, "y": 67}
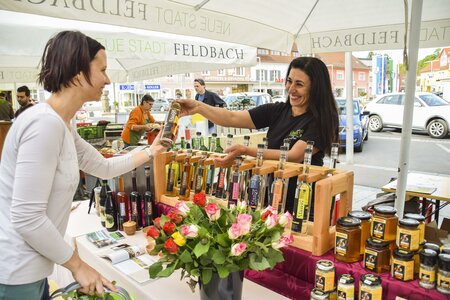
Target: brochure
{"x": 104, "y": 238}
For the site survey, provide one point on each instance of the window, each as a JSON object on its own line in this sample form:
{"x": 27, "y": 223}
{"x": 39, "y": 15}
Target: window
{"x": 276, "y": 53}
{"x": 263, "y": 51}
{"x": 187, "y": 75}
{"x": 361, "y": 76}
{"x": 261, "y": 75}
{"x": 274, "y": 75}
{"x": 239, "y": 71}
{"x": 391, "y": 99}
{"x": 205, "y": 73}
{"x": 169, "y": 76}
{"x": 339, "y": 75}
{"x": 221, "y": 72}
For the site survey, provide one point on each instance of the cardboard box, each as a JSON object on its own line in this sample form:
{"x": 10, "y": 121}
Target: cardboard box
{"x": 433, "y": 234}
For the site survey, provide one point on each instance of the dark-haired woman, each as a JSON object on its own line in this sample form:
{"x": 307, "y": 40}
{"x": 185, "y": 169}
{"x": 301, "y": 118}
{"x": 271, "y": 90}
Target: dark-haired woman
{"x": 39, "y": 171}
{"x": 309, "y": 114}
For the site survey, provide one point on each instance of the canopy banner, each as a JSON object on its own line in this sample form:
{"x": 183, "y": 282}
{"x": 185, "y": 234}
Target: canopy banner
{"x": 161, "y": 16}
{"x": 24, "y": 75}
{"x": 432, "y": 34}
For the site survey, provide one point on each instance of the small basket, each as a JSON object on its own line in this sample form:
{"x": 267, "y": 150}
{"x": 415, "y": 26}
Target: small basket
{"x": 120, "y": 294}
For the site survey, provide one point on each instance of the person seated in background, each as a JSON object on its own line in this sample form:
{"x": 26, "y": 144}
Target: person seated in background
{"x": 23, "y": 97}
{"x": 139, "y": 121}
{"x": 6, "y": 110}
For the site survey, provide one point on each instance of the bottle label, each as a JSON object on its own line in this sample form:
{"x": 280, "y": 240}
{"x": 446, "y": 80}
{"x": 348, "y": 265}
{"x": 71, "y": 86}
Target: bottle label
{"x": 183, "y": 184}
{"x": 341, "y": 243}
{"x": 303, "y": 200}
{"x": 102, "y": 213}
{"x": 324, "y": 280}
{"x": 109, "y": 221}
{"x": 221, "y": 180}
{"x": 170, "y": 180}
{"x": 277, "y": 193}
{"x": 122, "y": 209}
{"x": 253, "y": 191}
{"x": 403, "y": 270}
{"x": 370, "y": 259}
{"x": 149, "y": 208}
{"x": 443, "y": 281}
{"x": 198, "y": 182}
{"x": 428, "y": 276}
{"x": 235, "y": 191}
{"x": 370, "y": 293}
{"x": 346, "y": 292}
{"x": 408, "y": 239}
{"x": 378, "y": 228}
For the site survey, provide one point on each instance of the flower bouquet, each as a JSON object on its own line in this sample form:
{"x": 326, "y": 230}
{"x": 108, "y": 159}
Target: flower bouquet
{"x": 204, "y": 238}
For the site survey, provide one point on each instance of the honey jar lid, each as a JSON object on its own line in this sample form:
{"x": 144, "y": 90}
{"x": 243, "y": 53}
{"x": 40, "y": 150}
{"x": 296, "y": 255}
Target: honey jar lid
{"x": 428, "y": 257}
{"x": 346, "y": 279}
{"x": 432, "y": 246}
{"x": 386, "y": 210}
{"x": 349, "y": 222}
{"x": 362, "y": 215}
{"x": 319, "y": 294}
{"x": 325, "y": 265}
{"x": 371, "y": 279}
{"x": 445, "y": 249}
{"x": 417, "y": 217}
{"x": 444, "y": 262}
{"x": 376, "y": 243}
{"x": 409, "y": 223}
{"x": 403, "y": 254}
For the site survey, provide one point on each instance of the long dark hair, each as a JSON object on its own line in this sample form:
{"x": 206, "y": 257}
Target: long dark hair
{"x": 321, "y": 103}
{"x": 66, "y": 55}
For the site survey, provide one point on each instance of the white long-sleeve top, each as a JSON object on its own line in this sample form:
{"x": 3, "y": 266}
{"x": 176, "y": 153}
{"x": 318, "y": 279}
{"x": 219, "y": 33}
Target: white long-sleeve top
{"x": 39, "y": 174}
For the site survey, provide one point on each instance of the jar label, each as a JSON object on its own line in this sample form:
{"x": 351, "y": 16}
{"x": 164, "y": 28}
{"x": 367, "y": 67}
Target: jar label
{"x": 403, "y": 270}
{"x": 341, "y": 243}
{"x": 324, "y": 280}
{"x": 370, "y": 293}
{"x": 443, "y": 281}
{"x": 378, "y": 228}
{"x": 428, "y": 276}
{"x": 370, "y": 259}
{"x": 346, "y": 293}
{"x": 408, "y": 239}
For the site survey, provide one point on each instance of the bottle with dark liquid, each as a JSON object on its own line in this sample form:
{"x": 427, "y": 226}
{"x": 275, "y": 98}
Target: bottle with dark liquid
{"x": 170, "y": 130}
{"x": 135, "y": 200}
{"x": 103, "y": 195}
{"x": 186, "y": 178}
{"x": 110, "y": 213}
{"x": 149, "y": 205}
{"x": 256, "y": 185}
{"x": 123, "y": 205}
{"x": 334, "y": 155}
{"x": 200, "y": 174}
{"x": 172, "y": 175}
{"x": 234, "y": 185}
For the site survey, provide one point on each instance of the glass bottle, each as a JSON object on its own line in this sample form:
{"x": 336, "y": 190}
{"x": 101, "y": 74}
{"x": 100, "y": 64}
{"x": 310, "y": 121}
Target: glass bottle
{"x": 334, "y": 154}
{"x": 170, "y": 130}
{"x": 266, "y": 143}
{"x": 202, "y": 144}
{"x": 186, "y": 178}
{"x": 212, "y": 144}
{"x": 287, "y": 143}
{"x": 246, "y": 140}
{"x": 348, "y": 239}
{"x": 279, "y": 185}
{"x": 198, "y": 140}
{"x": 427, "y": 273}
{"x": 219, "y": 148}
{"x": 135, "y": 201}
{"x": 149, "y": 204}
{"x": 103, "y": 195}
{"x": 234, "y": 185}
{"x": 110, "y": 213}
{"x": 256, "y": 185}
{"x": 229, "y": 140}
{"x": 200, "y": 175}
{"x": 172, "y": 175}
{"x": 183, "y": 143}
{"x": 123, "y": 204}
{"x": 366, "y": 221}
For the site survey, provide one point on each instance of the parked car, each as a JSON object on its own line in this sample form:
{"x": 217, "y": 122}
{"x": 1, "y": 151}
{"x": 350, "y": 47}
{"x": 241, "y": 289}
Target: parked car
{"x": 247, "y": 100}
{"x": 160, "y": 105}
{"x": 431, "y": 113}
{"x": 360, "y": 124}
{"x": 278, "y": 98}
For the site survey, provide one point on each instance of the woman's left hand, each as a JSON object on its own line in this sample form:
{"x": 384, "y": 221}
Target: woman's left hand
{"x": 156, "y": 146}
{"x": 231, "y": 152}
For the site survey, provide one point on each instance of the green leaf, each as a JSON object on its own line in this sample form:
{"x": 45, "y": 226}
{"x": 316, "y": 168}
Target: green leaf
{"x": 222, "y": 271}
{"x": 258, "y": 263}
{"x": 223, "y": 240}
{"x": 206, "y": 276}
{"x": 274, "y": 257}
{"x": 201, "y": 249}
{"x": 185, "y": 257}
{"x": 276, "y": 236}
{"x": 261, "y": 246}
{"x": 218, "y": 257}
{"x": 195, "y": 272}
{"x": 167, "y": 271}
{"x": 154, "y": 269}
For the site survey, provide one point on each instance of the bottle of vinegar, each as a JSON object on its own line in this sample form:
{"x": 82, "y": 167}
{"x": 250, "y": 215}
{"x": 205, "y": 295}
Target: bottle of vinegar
{"x": 186, "y": 177}
{"x": 279, "y": 185}
{"x": 234, "y": 185}
{"x": 110, "y": 213}
{"x": 135, "y": 200}
{"x": 172, "y": 175}
{"x": 170, "y": 130}
{"x": 149, "y": 202}
{"x": 103, "y": 195}
{"x": 200, "y": 174}
{"x": 123, "y": 204}
{"x": 256, "y": 190}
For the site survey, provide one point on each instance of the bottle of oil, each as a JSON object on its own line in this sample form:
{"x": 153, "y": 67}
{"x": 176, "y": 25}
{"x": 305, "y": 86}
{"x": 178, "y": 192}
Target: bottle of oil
{"x": 200, "y": 175}
{"x": 170, "y": 130}
{"x": 172, "y": 175}
{"x": 123, "y": 204}
{"x": 149, "y": 205}
{"x": 256, "y": 186}
{"x": 135, "y": 201}
{"x": 186, "y": 177}
{"x": 279, "y": 185}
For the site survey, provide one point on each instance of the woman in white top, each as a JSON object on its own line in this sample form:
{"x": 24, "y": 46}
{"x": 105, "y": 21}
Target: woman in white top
{"x": 39, "y": 171}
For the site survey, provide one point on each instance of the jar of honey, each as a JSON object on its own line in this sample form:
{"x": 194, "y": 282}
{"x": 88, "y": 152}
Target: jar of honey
{"x": 408, "y": 234}
{"x": 318, "y": 294}
{"x": 324, "y": 275}
{"x": 432, "y": 246}
{"x": 403, "y": 265}
{"x": 348, "y": 238}
{"x": 384, "y": 223}
{"x": 443, "y": 276}
{"x": 366, "y": 221}
{"x": 370, "y": 287}
{"x": 377, "y": 255}
{"x": 421, "y": 219}
{"x": 417, "y": 259}
{"x": 346, "y": 287}
{"x": 427, "y": 273}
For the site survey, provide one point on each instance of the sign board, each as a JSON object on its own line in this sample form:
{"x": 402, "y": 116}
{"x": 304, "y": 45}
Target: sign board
{"x": 152, "y": 87}
{"x": 126, "y": 87}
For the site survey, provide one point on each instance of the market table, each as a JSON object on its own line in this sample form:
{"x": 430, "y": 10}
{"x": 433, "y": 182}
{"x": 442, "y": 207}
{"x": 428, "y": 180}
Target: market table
{"x": 294, "y": 278}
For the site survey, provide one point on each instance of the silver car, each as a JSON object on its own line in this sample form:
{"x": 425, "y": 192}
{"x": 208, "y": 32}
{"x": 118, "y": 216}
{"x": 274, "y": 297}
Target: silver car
{"x": 431, "y": 113}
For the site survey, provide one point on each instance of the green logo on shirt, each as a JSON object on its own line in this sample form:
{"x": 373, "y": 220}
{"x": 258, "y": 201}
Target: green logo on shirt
{"x": 296, "y": 134}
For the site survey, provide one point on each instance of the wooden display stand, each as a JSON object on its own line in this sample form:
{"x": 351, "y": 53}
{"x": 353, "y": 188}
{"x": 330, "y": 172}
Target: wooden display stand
{"x": 328, "y": 182}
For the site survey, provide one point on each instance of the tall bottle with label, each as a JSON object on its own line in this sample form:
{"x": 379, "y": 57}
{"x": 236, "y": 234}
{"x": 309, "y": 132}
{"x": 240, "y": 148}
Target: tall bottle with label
{"x": 186, "y": 177}
{"x": 302, "y": 197}
{"x": 218, "y": 148}
{"x": 334, "y": 155}
{"x": 183, "y": 143}
{"x": 266, "y": 143}
{"x": 197, "y": 144}
{"x": 170, "y": 130}
{"x": 172, "y": 175}
{"x": 234, "y": 186}
{"x": 200, "y": 174}
{"x": 123, "y": 205}
{"x": 202, "y": 144}
{"x": 279, "y": 185}
{"x": 256, "y": 186}
{"x": 103, "y": 195}
{"x": 149, "y": 205}
{"x": 135, "y": 200}
{"x": 110, "y": 213}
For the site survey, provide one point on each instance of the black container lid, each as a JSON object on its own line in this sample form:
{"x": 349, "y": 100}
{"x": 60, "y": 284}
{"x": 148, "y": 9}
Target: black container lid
{"x": 385, "y": 210}
{"x": 428, "y": 257}
{"x": 403, "y": 254}
{"x": 359, "y": 214}
{"x": 444, "y": 262}
{"x": 445, "y": 249}
{"x": 432, "y": 246}
{"x": 409, "y": 223}
{"x": 417, "y": 217}
{"x": 371, "y": 279}
{"x": 346, "y": 279}
{"x": 349, "y": 222}
{"x": 376, "y": 243}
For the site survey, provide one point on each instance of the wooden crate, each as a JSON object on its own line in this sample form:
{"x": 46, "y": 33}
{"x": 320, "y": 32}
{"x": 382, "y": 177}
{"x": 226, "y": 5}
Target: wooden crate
{"x": 329, "y": 182}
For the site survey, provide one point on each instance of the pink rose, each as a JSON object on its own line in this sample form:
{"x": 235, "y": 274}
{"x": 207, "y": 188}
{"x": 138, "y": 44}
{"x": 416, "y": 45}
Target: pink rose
{"x": 271, "y": 221}
{"x": 285, "y": 219}
{"x": 238, "y": 249}
{"x": 182, "y": 208}
{"x": 234, "y": 231}
{"x": 283, "y": 241}
{"x": 269, "y": 210}
{"x": 213, "y": 211}
{"x": 189, "y": 231}
{"x": 245, "y": 222}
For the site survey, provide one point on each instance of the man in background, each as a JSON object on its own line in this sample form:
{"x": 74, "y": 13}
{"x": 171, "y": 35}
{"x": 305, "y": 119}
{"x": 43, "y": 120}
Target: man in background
{"x": 207, "y": 97}
{"x": 6, "y": 110}
{"x": 23, "y": 97}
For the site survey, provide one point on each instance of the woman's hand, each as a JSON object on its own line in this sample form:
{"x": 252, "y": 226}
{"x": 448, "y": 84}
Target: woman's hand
{"x": 231, "y": 152}
{"x": 188, "y": 106}
{"x": 156, "y": 146}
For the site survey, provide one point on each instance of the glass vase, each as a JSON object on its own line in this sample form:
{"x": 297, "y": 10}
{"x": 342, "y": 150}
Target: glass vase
{"x": 229, "y": 288}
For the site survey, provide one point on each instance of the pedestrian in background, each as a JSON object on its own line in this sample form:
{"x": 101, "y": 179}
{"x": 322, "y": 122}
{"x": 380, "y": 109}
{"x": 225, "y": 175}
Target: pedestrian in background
{"x": 23, "y": 97}
{"x": 6, "y": 110}
{"x": 207, "y": 97}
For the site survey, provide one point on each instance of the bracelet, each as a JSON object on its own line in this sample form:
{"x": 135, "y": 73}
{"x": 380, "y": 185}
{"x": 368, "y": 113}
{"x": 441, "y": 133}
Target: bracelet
{"x": 149, "y": 152}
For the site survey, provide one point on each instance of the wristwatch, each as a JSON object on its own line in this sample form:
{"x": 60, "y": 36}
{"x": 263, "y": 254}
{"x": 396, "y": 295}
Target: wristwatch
{"x": 149, "y": 152}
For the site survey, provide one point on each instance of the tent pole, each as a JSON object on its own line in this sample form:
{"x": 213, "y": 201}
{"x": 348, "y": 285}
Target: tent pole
{"x": 413, "y": 47}
{"x": 349, "y": 108}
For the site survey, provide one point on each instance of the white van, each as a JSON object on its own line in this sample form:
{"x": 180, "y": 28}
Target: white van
{"x": 246, "y": 100}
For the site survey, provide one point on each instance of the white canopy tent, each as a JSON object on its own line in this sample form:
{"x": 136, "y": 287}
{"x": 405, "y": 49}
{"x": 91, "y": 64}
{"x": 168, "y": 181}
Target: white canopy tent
{"x": 315, "y": 25}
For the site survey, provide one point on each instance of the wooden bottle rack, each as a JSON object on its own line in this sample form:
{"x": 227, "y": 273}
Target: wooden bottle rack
{"x": 320, "y": 236}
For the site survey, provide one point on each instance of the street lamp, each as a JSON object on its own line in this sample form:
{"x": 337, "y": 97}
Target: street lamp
{"x": 258, "y": 59}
